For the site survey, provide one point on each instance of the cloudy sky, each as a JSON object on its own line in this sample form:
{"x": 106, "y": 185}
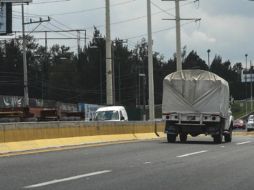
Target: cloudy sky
{"x": 227, "y": 26}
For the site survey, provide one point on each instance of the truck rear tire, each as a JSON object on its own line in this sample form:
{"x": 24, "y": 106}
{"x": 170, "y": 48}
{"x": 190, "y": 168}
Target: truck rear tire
{"x": 183, "y": 137}
{"x": 228, "y": 137}
{"x": 171, "y": 138}
{"x": 217, "y": 139}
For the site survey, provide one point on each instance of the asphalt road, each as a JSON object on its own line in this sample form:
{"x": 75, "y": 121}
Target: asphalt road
{"x": 195, "y": 165}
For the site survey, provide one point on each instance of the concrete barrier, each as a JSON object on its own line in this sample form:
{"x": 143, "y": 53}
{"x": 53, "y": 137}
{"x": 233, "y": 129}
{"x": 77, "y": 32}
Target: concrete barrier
{"x": 16, "y": 138}
{"x": 14, "y": 132}
{"x": 68, "y": 129}
{"x": 1, "y": 134}
{"x": 243, "y": 133}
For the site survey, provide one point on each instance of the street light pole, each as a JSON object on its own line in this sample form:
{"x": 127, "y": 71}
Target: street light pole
{"x": 26, "y": 97}
{"x": 178, "y": 36}
{"x": 208, "y": 52}
{"x": 144, "y": 94}
{"x": 109, "y": 79}
{"x": 246, "y": 57}
{"x": 119, "y": 83}
{"x": 150, "y": 63}
{"x": 100, "y": 68}
{"x": 100, "y": 62}
{"x": 251, "y": 86}
{"x": 113, "y": 75}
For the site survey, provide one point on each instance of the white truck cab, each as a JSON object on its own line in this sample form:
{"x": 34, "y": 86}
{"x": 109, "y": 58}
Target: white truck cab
{"x": 111, "y": 113}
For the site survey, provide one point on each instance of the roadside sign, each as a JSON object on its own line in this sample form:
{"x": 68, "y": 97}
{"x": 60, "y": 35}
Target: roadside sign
{"x": 249, "y": 77}
{"x": 5, "y": 18}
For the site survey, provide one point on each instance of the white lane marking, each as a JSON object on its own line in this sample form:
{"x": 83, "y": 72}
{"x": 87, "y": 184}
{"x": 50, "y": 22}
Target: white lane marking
{"x": 222, "y": 146}
{"x": 66, "y": 179}
{"x": 193, "y": 153}
{"x": 246, "y": 142}
{"x": 147, "y": 163}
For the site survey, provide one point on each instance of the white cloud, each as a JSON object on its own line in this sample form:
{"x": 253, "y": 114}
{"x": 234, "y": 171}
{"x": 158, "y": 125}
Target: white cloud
{"x": 202, "y": 37}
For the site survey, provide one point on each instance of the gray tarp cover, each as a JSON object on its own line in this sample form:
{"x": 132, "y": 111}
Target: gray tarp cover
{"x": 189, "y": 91}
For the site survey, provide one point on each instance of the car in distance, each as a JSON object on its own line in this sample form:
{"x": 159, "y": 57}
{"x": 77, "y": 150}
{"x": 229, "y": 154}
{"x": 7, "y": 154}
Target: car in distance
{"x": 111, "y": 113}
{"x": 250, "y": 124}
{"x": 239, "y": 124}
{"x": 250, "y": 117}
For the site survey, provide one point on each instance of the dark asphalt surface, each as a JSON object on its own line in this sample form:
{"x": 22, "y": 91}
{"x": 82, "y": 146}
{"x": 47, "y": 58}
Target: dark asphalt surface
{"x": 140, "y": 165}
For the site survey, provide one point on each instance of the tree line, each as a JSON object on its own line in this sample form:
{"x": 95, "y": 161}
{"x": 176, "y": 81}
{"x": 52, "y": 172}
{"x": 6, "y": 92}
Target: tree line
{"x": 60, "y": 74}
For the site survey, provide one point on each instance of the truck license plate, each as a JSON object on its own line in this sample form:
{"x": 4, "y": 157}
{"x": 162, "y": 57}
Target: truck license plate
{"x": 191, "y": 118}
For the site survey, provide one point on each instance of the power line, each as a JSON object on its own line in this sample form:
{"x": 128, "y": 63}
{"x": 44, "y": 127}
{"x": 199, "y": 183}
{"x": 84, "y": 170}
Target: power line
{"x": 59, "y": 38}
{"x": 121, "y": 21}
{"x": 49, "y": 28}
{"x": 54, "y": 31}
{"x": 139, "y": 17}
{"x": 61, "y": 23}
{"x": 46, "y": 2}
{"x": 158, "y": 31}
{"x": 163, "y": 10}
{"x": 88, "y": 10}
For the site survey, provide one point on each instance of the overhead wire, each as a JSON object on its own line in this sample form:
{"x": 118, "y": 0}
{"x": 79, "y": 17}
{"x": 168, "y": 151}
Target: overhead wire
{"x": 163, "y": 10}
{"x": 61, "y": 23}
{"x": 139, "y": 17}
{"x": 87, "y": 10}
{"x": 128, "y": 20}
{"x": 46, "y": 2}
{"x": 158, "y": 31}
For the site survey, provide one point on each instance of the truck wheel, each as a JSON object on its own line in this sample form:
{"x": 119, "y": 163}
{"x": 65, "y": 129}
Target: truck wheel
{"x": 183, "y": 137}
{"x": 228, "y": 137}
{"x": 218, "y": 138}
{"x": 171, "y": 138}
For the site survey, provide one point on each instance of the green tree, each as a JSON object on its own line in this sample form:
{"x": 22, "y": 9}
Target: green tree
{"x": 193, "y": 61}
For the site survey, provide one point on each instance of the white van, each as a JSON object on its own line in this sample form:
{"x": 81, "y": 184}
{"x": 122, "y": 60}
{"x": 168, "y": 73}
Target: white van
{"x": 111, "y": 113}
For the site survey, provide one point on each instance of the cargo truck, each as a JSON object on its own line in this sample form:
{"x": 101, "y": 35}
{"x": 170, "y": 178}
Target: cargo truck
{"x": 196, "y": 102}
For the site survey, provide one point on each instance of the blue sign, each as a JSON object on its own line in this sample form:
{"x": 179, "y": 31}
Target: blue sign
{"x": 5, "y": 18}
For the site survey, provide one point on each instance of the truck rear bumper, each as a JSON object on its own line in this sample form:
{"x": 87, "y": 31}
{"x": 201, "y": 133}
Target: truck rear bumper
{"x": 192, "y": 129}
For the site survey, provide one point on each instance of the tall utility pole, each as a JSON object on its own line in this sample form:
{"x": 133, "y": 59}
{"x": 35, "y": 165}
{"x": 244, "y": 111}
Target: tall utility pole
{"x": 178, "y": 37}
{"x": 113, "y": 74}
{"x": 85, "y": 40}
{"x": 109, "y": 78}
{"x": 78, "y": 42}
{"x": 246, "y": 57}
{"x": 115, "y": 62}
{"x": 178, "y": 32}
{"x": 26, "y": 97}
{"x": 208, "y": 53}
{"x": 251, "y": 86}
{"x": 150, "y": 62}
{"x": 144, "y": 94}
{"x": 46, "y": 41}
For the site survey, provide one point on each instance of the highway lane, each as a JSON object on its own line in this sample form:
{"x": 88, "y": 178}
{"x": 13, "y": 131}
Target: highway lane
{"x": 198, "y": 164}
